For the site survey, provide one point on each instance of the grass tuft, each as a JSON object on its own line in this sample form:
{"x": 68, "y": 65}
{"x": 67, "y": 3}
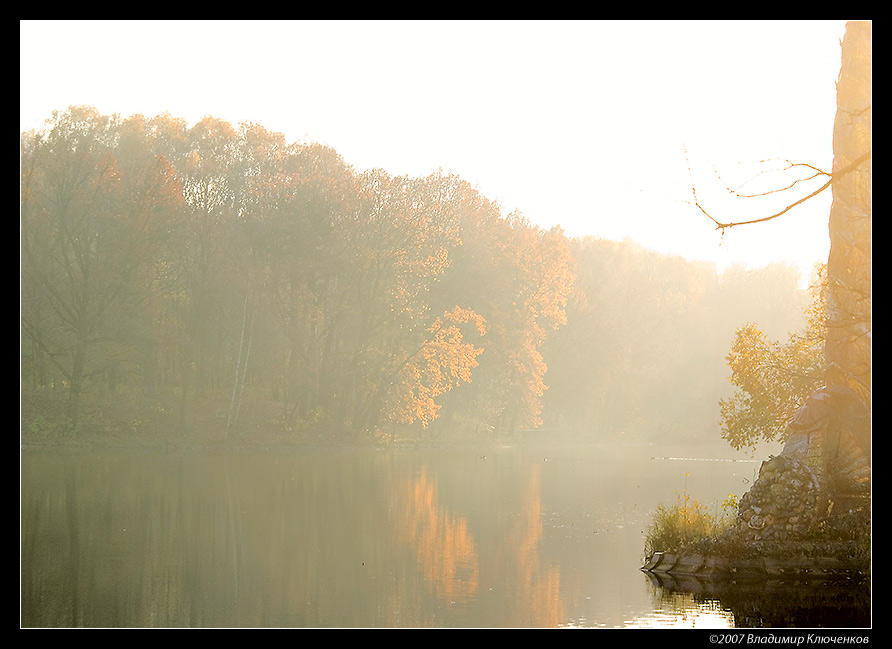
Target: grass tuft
{"x": 687, "y": 523}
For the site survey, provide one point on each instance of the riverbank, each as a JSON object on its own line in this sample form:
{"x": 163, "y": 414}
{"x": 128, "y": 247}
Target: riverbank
{"x": 794, "y": 561}
{"x": 840, "y": 549}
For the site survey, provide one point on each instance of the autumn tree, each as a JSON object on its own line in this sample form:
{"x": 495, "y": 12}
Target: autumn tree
{"x": 845, "y": 359}
{"x": 211, "y": 260}
{"x": 774, "y": 379}
{"x": 442, "y": 362}
{"x": 643, "y": 351}
{"x": 517, "y": 277}
{"x": 92, "y": 217}
{"x": 298, "y": 224}
{"x": 405, "y": 231}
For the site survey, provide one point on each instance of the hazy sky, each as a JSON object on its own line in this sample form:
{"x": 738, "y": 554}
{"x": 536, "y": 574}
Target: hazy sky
{"x": 601, "y": 127}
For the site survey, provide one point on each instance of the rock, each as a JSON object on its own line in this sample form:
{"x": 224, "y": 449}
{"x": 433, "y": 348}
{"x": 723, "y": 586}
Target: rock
{"x": 783, "y": 503}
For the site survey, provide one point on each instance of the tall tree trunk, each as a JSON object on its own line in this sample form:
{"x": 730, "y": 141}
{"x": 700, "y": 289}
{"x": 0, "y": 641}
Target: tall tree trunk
{"x": 75, "y": 384}
{"x": 848, "y": 345}
{"x": 241, "y": 366}
{"x": 831, "y": 432}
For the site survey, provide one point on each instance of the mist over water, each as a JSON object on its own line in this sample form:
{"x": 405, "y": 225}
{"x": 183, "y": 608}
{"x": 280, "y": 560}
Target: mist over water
{"x": 506, "y": 536}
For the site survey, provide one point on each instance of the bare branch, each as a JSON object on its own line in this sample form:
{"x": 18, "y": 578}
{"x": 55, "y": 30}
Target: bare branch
{"x": 790, "y": 165}
{"x": 833, "y": 177}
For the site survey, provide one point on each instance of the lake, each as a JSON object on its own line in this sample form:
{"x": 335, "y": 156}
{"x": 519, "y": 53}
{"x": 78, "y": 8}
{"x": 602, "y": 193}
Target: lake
{"x": 503, "y": 536}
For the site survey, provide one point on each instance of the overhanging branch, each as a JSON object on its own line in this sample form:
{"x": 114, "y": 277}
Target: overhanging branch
{"x": 833, "y": 178}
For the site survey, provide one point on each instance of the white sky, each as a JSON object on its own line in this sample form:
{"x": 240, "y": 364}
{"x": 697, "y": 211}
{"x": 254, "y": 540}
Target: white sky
{"x": 582, "y": 124}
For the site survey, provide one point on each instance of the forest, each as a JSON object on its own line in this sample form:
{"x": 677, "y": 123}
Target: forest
{"x": 214, "y": 282}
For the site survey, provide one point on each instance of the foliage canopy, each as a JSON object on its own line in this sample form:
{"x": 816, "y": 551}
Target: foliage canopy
{"x": 774, "y": 379}
{"x": 214, "y": 280}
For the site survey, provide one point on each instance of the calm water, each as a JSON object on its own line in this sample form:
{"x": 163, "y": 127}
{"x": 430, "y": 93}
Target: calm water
{"x": 501, "y": 537}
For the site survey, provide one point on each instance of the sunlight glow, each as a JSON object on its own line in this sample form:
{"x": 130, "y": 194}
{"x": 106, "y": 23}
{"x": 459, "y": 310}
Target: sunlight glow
{"x": 600, "y": 127}
{"x": 694, "y": 618}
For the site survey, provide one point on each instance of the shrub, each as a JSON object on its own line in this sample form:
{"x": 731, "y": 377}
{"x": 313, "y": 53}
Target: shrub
{"x": 675, "y": 527}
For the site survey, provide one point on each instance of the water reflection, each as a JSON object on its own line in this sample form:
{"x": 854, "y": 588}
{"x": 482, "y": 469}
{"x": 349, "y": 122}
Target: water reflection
{"x": 320, "y": 539}
{"x": 337, "y": 538}
{"x": 520, "y": 588}
{"x": 439, "y": 540}
{"x": 684, "y": 611}
{"x": 767, "y": 603}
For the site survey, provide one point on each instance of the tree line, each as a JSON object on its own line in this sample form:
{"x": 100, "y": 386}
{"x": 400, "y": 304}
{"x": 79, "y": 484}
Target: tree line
{"x": 215, "y": 277}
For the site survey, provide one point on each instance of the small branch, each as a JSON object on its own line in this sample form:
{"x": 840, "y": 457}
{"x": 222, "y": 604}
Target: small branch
{"x": 790, "y": 165}
{"x": 833, "y": 177}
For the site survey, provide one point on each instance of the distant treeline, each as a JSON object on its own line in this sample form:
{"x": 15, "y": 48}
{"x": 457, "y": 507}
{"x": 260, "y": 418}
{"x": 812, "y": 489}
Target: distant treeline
{"x": 216, "y": 281}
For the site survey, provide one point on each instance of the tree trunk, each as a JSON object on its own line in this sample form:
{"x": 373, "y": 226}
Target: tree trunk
{"x": 75, "y": 384}
{"x": 831, "y": 432}
{"x": 848, "y": 345}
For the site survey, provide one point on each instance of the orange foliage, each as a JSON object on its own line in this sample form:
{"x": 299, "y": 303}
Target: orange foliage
{"x": 442, "y": 363}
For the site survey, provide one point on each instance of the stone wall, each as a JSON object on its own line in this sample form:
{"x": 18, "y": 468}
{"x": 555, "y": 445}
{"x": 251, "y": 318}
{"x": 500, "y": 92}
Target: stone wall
{"x": 786, "y": 502}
